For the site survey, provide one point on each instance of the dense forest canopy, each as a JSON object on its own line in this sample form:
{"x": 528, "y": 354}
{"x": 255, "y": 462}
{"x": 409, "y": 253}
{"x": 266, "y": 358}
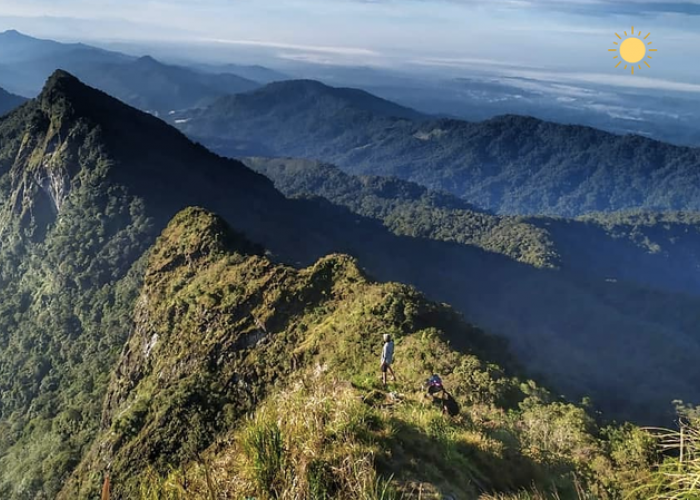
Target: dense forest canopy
{"x": 657, "y": 249}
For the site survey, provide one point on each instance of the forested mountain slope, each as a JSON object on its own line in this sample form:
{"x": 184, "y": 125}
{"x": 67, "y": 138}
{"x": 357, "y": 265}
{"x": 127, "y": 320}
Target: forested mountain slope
{"x": 509, "y": 164}
{"x": 660, "y": 250}
{"x": 86, "y": 185}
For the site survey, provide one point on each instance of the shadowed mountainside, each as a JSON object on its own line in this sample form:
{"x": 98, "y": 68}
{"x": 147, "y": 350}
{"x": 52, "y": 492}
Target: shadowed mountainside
{"x": 659, "y": 250}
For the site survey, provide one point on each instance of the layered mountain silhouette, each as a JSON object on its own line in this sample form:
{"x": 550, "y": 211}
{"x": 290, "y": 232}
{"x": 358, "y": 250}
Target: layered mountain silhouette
{"x": 509, "y": 164}
{"x": 142, "y": 82}
{"x": 150, "y": 85}
{"x": 255, "y": 73}
{"x": 87, "y": 184}
{"x": 29, "y": 61}
{"x": 8, "y": 101}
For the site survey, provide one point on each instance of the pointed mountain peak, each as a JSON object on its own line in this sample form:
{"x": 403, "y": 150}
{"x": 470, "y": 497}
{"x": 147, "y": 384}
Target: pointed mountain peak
{"x": 62, "y": 88}
{"x": 62, "y": 85}
{"x": 196, "y": 235}
{"x": 13, "y": 34}
{"x": 148, "y": 61}
{"x": 60, "y": 80}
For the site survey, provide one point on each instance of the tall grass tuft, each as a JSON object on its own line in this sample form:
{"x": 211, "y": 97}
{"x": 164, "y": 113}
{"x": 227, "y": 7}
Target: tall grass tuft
{"x": 264, "y": 447}
{"x": 537, "y": 494}
{"x": 678, "y": 477}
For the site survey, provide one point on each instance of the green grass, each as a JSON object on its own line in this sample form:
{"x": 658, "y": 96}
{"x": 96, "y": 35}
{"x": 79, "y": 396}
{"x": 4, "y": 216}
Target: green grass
{"x": 264, "y": 383}
{"x": 678, "y": 476}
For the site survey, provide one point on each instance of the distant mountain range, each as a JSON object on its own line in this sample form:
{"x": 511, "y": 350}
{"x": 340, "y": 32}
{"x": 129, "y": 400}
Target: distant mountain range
{"x": 30, "y": 61}
{"x": 509, "y": 164}
{"x": 466, "y": 93}
{"x": 142, "y": 82}
{"x": 153, "y": 86}
{"x": 256, "y": 73}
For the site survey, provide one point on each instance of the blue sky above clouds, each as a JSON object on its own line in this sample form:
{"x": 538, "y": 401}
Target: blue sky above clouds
{"x": 552, "y": 35}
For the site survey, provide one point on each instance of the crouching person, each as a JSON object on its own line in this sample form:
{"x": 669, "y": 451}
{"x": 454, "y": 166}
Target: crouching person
{"x": 441, "y": 397}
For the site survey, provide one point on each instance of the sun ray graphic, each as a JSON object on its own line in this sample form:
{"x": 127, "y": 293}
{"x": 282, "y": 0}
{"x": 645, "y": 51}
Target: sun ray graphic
{"x": 632, "y": 49}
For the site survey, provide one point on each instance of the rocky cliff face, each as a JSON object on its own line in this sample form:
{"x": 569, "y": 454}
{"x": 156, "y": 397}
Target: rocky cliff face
{"x": 86, "y": 185}
{"x": 54, "y": 148}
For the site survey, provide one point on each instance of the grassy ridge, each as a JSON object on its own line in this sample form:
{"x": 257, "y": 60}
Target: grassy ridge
{"x": 221, "y": 334}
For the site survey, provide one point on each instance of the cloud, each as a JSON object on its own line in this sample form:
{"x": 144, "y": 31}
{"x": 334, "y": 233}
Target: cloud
{"x": 638, "y": 82}
{"x": 467, "y": 62}
{"x": 341, "y": 51}
{"x": 587, "y": 7}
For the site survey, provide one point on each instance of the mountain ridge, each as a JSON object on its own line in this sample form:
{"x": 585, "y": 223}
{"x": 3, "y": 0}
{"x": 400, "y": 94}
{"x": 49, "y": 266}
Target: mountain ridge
{"x": 509, "y": 164}
{"x": 657, "y": 249}
{"x": 183, "y": 381}
{"x": 153, "y": 86}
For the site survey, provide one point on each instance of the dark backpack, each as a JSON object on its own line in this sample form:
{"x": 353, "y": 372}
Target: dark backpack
{"x": 450, "y": 406}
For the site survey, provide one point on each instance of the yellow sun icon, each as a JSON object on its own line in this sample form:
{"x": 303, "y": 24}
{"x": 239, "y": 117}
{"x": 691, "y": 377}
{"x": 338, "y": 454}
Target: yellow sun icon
{"x": 632, "y": 50}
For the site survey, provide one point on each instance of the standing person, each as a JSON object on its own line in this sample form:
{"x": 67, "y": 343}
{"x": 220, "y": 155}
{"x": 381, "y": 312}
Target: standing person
{"x": 387, "y": 358}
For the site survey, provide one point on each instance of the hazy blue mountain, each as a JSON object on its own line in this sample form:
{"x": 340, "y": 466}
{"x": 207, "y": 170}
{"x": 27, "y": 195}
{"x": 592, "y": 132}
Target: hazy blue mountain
{"x": 153, "y": 86}
{"x": 509, "y": 164}
{"x": 8, "y": 101}
{"x": 256, "y": 73}
{"x": 476, "y": 92}
{"x": 17, "y": 47}
{"x": 142, "y": 82}
{"x": 309, "y": 98}
{"x": 31, "y": 60}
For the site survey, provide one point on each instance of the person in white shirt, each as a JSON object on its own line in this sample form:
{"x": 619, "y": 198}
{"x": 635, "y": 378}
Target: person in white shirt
{"x": 387, "y": 358}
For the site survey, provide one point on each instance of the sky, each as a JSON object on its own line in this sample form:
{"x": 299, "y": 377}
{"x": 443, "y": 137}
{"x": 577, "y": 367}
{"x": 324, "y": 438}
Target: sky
{"x": 567, "y": 36}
